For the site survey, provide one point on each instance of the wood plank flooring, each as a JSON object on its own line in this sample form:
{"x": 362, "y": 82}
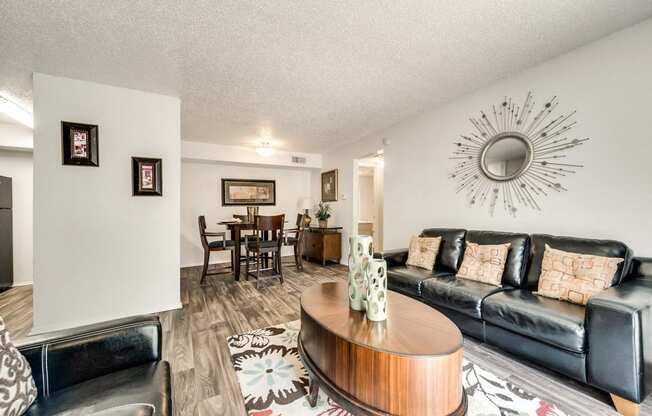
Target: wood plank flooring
{"x": 204, "y": 381}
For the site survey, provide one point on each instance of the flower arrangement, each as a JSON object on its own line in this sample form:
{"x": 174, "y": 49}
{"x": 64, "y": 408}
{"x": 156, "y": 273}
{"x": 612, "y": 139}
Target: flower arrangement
{"x": 323, "y": 214}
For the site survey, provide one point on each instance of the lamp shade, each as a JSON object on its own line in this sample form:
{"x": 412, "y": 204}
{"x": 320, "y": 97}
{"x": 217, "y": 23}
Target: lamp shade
{"x": 305, "y": 203}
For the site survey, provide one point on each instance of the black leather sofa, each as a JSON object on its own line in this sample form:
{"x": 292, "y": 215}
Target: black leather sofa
{"x": 607, "y": 344}
{"x": 110, "y": 369}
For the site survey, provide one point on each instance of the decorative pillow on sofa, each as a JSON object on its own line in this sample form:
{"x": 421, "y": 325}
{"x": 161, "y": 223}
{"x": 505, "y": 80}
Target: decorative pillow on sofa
{"x": 484, "y": 263}
{"x": 575, "y": 277}
{"x": 423, "y": 252}
{"x": 18, "y": 388}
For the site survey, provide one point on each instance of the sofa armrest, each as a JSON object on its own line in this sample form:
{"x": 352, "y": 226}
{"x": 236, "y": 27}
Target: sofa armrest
{"x": 619, "y": 327}
{"x": 394, "y": 258}
{"x": 641, "y": 268}
{"x": 64, "y": 358}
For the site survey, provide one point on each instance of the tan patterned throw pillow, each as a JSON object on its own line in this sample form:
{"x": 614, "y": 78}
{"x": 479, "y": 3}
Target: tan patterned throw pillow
{"x": 423, "y": 252}
{"x": 484, "y": 263}
{"x": 574, "y": 277}
{"x": 18, "y": 388}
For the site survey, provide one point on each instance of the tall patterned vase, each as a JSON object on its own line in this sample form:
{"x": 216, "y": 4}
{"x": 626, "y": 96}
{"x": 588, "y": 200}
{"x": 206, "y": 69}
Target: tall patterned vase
{"x": 376, "y": 299}
{"x": 360, "y": 256}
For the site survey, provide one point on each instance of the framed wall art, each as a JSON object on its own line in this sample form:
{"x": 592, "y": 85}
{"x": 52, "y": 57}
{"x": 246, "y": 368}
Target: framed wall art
{"x": 329, "y": 186}
{"x": 79, "y": 144}
{"x": 147, "y": 176}
{"x": 248, "y": 192}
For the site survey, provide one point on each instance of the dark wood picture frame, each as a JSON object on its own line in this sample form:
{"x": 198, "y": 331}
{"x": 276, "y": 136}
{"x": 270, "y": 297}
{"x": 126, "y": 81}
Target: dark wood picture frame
{"x": 228, "y": 182}
{"x": 79, "y": 144}
{"x": 147, "y": 176}
{"x": 327, "y": 194}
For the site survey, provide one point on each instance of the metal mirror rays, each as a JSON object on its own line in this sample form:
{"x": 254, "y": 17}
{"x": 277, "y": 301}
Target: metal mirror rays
{"x": 516, "y": 155}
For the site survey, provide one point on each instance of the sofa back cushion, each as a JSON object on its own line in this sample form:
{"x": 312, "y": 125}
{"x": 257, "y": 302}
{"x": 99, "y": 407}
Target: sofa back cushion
{"x": 450, "y": 250}
{"x": 517, "y": 258}
{"x": 604, "y": 248}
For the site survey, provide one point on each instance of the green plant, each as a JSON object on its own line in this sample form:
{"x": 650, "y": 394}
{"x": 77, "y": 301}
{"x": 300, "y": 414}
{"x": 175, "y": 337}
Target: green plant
{"x": 323, "y": 211}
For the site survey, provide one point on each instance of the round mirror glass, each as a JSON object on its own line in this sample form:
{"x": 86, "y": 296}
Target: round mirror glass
{"x": 505, "y": 157}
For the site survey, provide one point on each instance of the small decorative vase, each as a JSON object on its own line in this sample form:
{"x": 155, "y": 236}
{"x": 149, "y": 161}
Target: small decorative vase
{"x": 323, "y": 223}
{"x": 376, "y": 300}
{"x": 360, "y": 256}
{"x": 251, "y": 214}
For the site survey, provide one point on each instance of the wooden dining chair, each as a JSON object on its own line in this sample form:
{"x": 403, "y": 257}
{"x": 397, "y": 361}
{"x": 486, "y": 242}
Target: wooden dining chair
{"x": 267, "y": 240}
{"x": 294, "y": 238}
{"x": 219, "y": 243}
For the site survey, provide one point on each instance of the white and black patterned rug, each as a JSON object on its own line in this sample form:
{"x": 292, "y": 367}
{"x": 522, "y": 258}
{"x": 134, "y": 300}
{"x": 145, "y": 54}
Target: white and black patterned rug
{"x": 274, "y": 382}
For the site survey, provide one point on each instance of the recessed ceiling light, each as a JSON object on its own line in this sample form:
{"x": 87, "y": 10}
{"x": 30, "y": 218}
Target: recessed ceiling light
{"x": 16, "y": 112}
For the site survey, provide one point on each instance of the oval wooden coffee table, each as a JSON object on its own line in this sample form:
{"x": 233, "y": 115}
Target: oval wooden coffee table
{"x": 410, "y": 364}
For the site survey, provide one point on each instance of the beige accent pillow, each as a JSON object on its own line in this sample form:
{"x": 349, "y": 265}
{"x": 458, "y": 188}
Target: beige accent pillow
{"x": 575, "y": 277}
{"x": 423, "y": 252}
{"x": 484, "y": 263}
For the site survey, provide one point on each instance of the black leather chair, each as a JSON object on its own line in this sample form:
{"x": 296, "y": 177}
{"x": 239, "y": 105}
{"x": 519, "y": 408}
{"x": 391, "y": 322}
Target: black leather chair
{"x": 606, "y": 344}
{"x": 113, "y": 367}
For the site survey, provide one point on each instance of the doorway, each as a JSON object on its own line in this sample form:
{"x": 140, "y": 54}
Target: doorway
{"x": 369, "y": 197}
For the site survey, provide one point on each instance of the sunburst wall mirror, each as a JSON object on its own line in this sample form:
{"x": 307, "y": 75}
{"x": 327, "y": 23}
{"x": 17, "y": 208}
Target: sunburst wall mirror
{"x": 516, "y": 155}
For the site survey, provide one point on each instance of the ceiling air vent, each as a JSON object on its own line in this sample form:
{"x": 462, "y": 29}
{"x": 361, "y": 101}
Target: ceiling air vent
{"x": 298, "y": 159}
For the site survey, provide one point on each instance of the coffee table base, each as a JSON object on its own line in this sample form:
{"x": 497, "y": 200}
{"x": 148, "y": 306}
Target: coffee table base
{"x": 348, "y": 402}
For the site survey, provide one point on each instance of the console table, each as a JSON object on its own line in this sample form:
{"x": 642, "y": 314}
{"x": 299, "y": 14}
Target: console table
{"x": 323, "y": 244}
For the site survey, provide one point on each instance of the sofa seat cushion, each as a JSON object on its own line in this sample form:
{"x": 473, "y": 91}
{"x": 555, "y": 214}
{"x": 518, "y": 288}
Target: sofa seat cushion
{"x": 462, "y": 295}
{"x": 135, "y": 389}
{"x": 553, "y": 322}
{"x": 408, "y": 279}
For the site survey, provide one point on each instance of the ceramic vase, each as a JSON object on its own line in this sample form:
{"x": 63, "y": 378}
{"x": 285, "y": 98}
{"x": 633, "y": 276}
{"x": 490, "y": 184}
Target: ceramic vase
{"x": 376, "y": 297}
{"x": 360, "y": 256}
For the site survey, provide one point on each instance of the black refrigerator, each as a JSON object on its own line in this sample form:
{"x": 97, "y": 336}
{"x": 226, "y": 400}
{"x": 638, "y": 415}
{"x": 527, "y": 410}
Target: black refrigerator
{"x": 6, "y": 245}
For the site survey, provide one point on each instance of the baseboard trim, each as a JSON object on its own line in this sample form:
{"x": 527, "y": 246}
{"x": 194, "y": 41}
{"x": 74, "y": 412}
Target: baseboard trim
{"x": 30, "y": 283}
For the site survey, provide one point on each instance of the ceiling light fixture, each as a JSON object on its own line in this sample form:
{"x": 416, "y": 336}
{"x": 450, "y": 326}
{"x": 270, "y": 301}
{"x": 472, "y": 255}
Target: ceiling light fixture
{"x": 16, "y": 112}
{"x": 264, "y": 150}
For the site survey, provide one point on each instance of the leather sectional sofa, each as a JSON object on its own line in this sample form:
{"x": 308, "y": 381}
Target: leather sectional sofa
{"x": 606, "y": 344}
{"x": 109, "y": 369}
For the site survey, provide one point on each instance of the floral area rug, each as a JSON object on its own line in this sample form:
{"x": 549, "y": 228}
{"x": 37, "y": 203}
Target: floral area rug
{"x": 275, "y": 383}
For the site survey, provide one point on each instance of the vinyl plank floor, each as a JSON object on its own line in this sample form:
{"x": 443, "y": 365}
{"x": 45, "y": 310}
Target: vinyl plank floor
{"x": 204, "y": 381}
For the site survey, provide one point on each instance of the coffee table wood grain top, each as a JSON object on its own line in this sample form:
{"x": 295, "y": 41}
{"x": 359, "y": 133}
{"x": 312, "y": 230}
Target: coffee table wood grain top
{"x": 410, "y": 364}
{"x": 411, "y": 328}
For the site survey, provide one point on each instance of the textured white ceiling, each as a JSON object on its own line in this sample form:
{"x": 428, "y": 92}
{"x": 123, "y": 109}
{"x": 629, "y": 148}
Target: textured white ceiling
{"x": 319, "y": 73}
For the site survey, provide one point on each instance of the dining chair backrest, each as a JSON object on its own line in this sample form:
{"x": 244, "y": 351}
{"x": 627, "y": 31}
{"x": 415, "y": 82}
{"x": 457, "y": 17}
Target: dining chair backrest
{"x": 202, "y": 231}
{"x": 301, "y": 221}
{"x": 270, "y": 223}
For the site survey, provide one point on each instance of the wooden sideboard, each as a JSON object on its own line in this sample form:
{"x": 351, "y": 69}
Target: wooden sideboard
{"x": 323, "y": 244}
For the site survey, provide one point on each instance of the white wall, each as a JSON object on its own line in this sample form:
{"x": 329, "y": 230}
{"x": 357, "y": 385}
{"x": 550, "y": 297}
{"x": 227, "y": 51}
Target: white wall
{"x": 608, "y": 82}
{"x": 18, "y": 165}
{"x": 201, "y": 195}
{"x": 345, "y": 159}
{"x": 16, "y": 137}
{"x": 99, "y": 252}
{"x": 240, "y": 154}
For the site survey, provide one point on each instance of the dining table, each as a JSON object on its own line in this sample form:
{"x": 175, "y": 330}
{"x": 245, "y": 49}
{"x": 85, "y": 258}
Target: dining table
{"x": 236, "y": 228}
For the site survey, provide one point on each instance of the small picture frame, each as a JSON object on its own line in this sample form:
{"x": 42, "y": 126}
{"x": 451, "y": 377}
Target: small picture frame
{"x": 329, "y": 186}
{"x": 147, "y": 176}
{"x": 79, "y": 144}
